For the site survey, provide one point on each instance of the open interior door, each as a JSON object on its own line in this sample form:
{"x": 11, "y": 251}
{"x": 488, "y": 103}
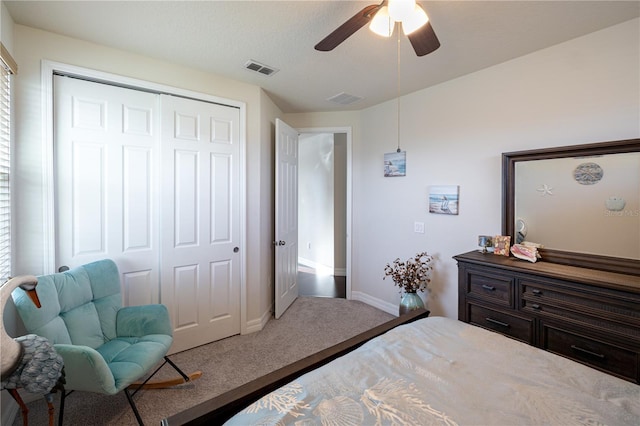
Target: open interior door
{"x": 286, "y": 214}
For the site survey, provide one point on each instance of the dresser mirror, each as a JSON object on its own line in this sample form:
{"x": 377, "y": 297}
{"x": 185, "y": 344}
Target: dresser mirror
{"x": 581, "y": 202}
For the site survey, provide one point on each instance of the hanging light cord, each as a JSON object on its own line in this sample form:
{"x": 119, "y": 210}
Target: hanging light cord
{"x": 398, "y": 86}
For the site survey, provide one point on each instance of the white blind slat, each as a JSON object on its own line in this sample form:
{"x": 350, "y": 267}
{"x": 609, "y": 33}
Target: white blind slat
{"x": 5, "y": 173}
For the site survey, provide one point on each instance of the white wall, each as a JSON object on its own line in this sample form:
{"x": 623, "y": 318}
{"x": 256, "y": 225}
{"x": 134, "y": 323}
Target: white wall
{"x": 6, "y": 28}
{"x": 316, "y": 200}
{"x": 32, "y": 46}
{"x": 585, "y": 90}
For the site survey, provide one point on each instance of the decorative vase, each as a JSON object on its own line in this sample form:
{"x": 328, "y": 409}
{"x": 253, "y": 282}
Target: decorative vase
{"x": 410, "y": 302}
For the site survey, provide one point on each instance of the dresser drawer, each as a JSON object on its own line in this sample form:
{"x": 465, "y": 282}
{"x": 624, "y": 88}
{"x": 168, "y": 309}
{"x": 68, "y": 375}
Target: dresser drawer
{"x": 606, "y": 302}
{"x": 595, "y": 311}
{"x": 502, "y": 322}
{"x": 495, "y": 288}
{"x": 591, "y": 351}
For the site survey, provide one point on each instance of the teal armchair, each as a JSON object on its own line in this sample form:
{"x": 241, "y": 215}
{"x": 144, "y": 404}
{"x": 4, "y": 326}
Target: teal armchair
{"x": 105, "y": 347}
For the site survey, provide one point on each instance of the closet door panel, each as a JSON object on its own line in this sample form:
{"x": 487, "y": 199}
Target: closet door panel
{"x": 106, "y": 184}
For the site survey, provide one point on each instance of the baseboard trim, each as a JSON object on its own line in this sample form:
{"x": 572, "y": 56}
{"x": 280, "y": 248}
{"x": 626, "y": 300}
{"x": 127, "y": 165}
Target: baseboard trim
{"x": 387, "y": 307}
{"x": 317, "y": 266}
{"x": 258, "y": 324}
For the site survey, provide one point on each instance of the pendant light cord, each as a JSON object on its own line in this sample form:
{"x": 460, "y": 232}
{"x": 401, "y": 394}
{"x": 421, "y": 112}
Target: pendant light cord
{"x": 398, "y": 85}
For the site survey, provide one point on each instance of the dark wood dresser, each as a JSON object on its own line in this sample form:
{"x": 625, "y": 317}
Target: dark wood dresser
{"x": 588, "y": 315}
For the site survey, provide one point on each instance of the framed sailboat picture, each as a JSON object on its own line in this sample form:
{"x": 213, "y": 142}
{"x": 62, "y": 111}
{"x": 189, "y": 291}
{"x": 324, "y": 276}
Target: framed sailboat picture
{"x": 395, "y": 164}
{"x": 444, "y": 199}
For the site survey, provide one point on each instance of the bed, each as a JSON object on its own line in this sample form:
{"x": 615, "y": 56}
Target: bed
{"x": 428, "y": 370}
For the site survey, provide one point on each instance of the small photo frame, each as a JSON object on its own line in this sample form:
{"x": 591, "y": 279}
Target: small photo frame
{"x": 395, "y": 164}
{"x": 444, "y": 199}
{"x": 501, "y": 244}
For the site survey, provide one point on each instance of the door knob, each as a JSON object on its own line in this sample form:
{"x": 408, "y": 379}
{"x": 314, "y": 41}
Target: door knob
{"x": 236, "y": 249}
{"x": 63, "y": 268}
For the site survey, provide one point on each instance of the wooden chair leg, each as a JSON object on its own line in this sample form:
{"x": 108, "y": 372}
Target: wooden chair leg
{"x": 49, "y": 398}
{"x": 25, "y": 411}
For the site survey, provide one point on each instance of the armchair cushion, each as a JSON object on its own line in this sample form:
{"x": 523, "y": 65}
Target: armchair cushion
{"x": 44, "y": 321}
{"x": 83, "y": 325}
{"x": 139, "y": 321}
{"x": 129, "y": 358}
{"x": 86, "y": 369}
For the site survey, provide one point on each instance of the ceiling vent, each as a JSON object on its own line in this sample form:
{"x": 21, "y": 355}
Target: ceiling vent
{"x": 260, "y": 68}
{"x": 344, "y": 99}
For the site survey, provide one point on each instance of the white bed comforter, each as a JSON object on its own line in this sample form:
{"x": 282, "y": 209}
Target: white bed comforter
{"x": 443, "y": 371}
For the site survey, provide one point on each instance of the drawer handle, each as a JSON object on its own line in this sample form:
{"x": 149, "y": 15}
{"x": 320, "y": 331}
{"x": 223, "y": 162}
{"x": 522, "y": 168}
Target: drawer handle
{"x": 488, "y": 287}
{"x": 536, "y": 306}
{"x": 536, "y": 292}
{"x": 503, "y": 324}
{"x": 588, "y": 352}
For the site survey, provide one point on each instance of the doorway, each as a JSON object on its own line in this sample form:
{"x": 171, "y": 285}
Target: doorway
{"x": 322, "y": 214}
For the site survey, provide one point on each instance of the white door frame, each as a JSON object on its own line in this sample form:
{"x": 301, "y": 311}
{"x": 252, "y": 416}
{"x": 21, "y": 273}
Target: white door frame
{"x": 48, "y": 69}
{"x": 347, "y": 131}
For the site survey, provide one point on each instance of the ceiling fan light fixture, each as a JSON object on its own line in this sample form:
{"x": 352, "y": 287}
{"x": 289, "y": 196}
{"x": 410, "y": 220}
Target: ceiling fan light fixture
{"x": 415, "y": 21}
{"x": 399, "y": 10}
{"x": 381, "y": 23}
{"x": 422, "y": 37}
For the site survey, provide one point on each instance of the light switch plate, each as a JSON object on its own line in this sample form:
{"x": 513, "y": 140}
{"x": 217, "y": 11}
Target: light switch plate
{"x": 418, "y": 227}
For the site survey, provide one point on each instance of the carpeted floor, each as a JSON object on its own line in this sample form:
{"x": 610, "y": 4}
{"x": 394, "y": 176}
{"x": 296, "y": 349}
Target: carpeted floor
{"x": 309, "y": 325}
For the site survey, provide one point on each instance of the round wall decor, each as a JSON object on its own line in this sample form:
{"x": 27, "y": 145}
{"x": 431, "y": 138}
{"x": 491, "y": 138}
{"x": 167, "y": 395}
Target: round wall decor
{"x": 588, "y": 173}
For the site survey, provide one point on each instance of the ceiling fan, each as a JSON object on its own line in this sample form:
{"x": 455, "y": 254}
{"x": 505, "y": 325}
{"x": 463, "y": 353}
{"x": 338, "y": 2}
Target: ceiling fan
{"x": 383, "y": 18}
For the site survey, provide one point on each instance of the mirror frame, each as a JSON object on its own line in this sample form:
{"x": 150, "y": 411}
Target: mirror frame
{"x": 586, "y": 260}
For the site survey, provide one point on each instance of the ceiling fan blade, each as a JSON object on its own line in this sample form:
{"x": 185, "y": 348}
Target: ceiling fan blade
{"x": 345, "y": 30}
{"x": 424, "y": 40}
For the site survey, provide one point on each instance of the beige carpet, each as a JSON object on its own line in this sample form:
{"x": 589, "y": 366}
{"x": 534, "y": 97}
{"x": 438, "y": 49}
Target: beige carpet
{"x": 309, "y": 325}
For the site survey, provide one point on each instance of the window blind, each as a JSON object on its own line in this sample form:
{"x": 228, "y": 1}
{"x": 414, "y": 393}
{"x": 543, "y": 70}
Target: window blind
{"x": 7, "y": 67}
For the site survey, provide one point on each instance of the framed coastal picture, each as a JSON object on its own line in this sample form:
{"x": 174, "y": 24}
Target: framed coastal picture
{"x": 444, "y": 199}
{"x": 395, "y": 164}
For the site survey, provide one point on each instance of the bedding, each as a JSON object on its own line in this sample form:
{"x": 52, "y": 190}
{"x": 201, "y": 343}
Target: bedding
{"x": 443, "y": 371}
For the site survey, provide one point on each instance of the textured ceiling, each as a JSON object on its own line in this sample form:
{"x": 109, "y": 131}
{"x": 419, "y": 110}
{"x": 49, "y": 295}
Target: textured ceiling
{"x": 221, "y": 36}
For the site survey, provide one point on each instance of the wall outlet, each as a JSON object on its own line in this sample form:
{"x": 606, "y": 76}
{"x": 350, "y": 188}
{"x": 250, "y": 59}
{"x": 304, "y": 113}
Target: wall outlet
{"x": 418, "y": 227}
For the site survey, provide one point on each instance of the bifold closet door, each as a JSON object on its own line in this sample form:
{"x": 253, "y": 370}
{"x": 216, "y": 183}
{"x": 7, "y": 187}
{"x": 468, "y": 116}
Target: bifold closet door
{"x": 152, "y": 182}
{"x": 106, "y": 182}
{"x": 200, "y": 220}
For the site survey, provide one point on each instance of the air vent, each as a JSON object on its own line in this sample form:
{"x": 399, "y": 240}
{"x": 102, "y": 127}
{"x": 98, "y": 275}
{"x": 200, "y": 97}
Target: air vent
{"x": 261, "y": 68}
{"x": 344, "y": 99}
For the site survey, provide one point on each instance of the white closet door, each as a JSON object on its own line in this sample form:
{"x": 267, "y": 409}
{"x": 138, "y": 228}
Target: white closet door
{"x": 106, "y": 202}
{"x": 200, "y": 226}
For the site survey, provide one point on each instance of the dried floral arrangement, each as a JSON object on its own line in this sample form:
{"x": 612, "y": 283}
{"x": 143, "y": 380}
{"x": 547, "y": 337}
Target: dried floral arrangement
{"x": 412, "y": 275}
